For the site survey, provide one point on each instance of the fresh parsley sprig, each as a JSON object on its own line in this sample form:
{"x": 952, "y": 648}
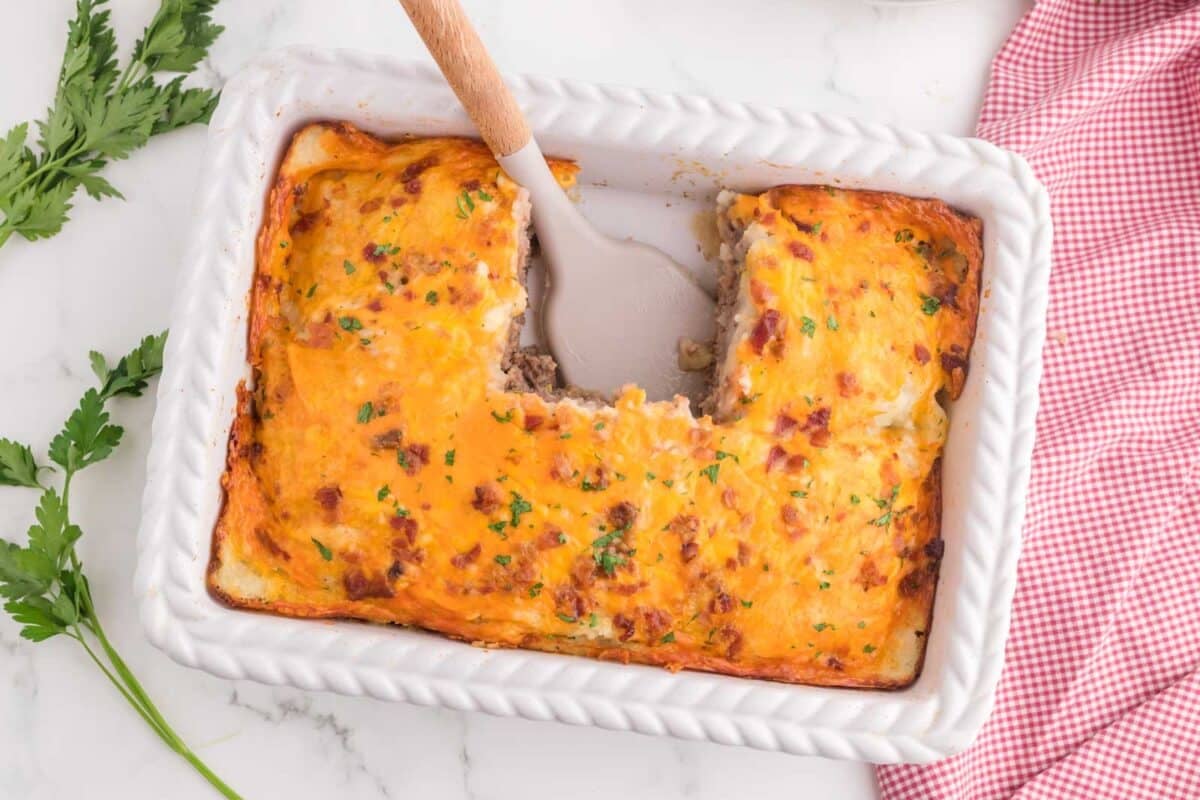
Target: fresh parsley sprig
{"x": 43, "y": 583}
{"x": 102, "y": 113}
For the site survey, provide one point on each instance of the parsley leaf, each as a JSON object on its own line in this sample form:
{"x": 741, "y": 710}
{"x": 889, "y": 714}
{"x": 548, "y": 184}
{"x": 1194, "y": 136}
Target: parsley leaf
{"x": 17, "y": 466}
{"x": 517, "y": 507}
{"x": 710, "y": 472}
{"x": 87, "y": 437}
{"x": 325, "y": 552}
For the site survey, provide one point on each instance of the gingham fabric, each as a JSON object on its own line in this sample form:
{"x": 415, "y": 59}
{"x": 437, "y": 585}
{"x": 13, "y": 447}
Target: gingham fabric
{"x": 1100, "y": 694}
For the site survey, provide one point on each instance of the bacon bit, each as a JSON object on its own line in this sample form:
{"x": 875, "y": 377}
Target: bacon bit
{"x": 952, "y": 362}
{"x": 549, "y": 538}
{"x": 834, "y": 663}
{"x": 800, "y": 250}
{"x": 471, "y": 185}
{"x": 583, "y": 571}
{"x": 817, "y": 427}
{"x": 765, "y": 329}
{"x": 328, "y": 497}
{"x": 921, "y": 354}
{"x": 657, "y": 622}
{"x": 267, "y": 542}
{"x": 461, "y": 560}
{"x": 622, "y": 515}
{"x": 848, "y": 384}
{"x": 795, "y": 463}
{"x": 370, "y": 205}
{"x": 626, "y": 589}
{"x": 864, "y": 226}
{"x": 359, "y": 587}
{"x": 375, "y": 305}
{"x": 416, "y": 168}
{"x": 774, "y": 456}
{"x": 721, "y": 603}
{"x": 396, "y": 202}
{"x": 533, "y": 422}
{"x": 306, "y": 222}
{"x": 570, "y": 603}
{"x": 320, "y": 335}
{"x": 729, "y": 497}
{"x": 685, "y": 525}
{"x": 406, "y": 526}
{"x": 560, "y": 468}
{"x": 689, "y": 550}
{"x": 733, "y": 636}
{"x": 743, "y": 556}
{"x": 402, "y": 551}
{"x": 704, "y": 454}
{"x": 373, "y": 253}
{"x": 415, "y": 457}
{"x": 790, "y": 514}
{"x": 625, "y": 625}
{"x": 487, "y": 498}
{"x": 784, "y": 425}
{"x": 413, "y": 186}
{"x": 768, "y": 218}
{"x": 869, "y": 576}
{"x": 912, "y": 583}
{"x": 935, "y": 549}
{"x": 388, "y": 440}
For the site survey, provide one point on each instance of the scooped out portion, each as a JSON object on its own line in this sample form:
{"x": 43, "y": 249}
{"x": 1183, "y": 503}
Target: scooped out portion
{"x": 398, "y": 458}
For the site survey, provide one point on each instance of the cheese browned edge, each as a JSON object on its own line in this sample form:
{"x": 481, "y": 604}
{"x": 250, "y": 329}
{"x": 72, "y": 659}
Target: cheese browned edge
{"x": 755, "y": 582}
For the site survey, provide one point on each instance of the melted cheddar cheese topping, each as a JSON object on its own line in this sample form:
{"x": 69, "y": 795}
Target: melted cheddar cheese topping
{"x": 380, "y": 468}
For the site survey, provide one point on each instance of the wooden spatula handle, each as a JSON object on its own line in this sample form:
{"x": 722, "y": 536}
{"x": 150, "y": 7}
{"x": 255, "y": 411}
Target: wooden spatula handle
{"x": 465, "y": 62}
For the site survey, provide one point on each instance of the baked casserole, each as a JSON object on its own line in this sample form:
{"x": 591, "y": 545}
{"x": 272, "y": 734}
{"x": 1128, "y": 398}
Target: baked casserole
{"x": 397, "y": 457}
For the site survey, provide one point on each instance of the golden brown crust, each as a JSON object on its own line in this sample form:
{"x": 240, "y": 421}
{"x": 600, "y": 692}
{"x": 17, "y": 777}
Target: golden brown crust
{"x": 378, "y": 470}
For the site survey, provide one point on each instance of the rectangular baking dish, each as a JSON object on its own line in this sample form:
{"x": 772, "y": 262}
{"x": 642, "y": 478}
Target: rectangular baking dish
{"x": 651, "y": 163}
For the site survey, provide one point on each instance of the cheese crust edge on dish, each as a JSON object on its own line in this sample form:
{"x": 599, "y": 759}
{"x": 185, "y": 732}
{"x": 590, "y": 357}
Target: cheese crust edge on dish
{"x": 353, "y": 147}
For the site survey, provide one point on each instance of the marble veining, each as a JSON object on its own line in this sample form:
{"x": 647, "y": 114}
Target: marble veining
{"x": 107, "y": 279}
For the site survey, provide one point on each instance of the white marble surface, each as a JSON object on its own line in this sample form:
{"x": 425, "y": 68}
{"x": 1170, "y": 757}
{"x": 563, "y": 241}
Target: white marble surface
{"x": 107, "y": 279}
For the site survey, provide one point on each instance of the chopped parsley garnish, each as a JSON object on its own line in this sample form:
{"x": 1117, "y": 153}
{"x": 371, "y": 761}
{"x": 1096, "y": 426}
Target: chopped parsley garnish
{"x": 883, "y": 520}
{"x": 831, "y": 323}
{"x": 536, "y": 589}
{"x": 311, "y": 290}
{"x": 855, "y": 499}
{"x": 484, "y": 196}
{"x": 465, "y": 205}
{"x": 498, "y": 527}
{"x": 386, "y": 249}
{"x": 710, "y": 472}
{"x": 887, "y": 503}
{"x": 401, "y": 511}
{"x": 566, "y": 619}
{"x": 588, "y": 486}
{"x": 868, "y": 648}
{"x": 506, "y": 417}
{"x": 517, "y": 507}
{"x": 747, "y": 603}
{"x": 565, "y": 436}
{"x": 816, "y": 228}
{"x": 930, "y": 305}
{"x": 402, "y": 458}
{"x": 823, "y": 585}
{"x": 808, "y": 326}
{"x": 325, "y": 552}
{"x": 562, "y": 538}
{"x": 593, "y": 620}
{"x": 650, "y": 476}
{"x": 364, "y": 341}
{"x": 798, "y": 493}
{"x": 862, "y": 623}
{"x": 449, "y": 458}
{"x": 365, "y": 412}
{"x": 904, "y": 235}
{"x": 346, "y": 265}
{"x": 748, "y": 400}
{"x": 599, "y": 426}
{"x": 667, "y": 639}
{"x": 383, "y": 492}
{"x": 349, "y": 323}
{"x": 607, "y": 560}
{"x": 820, "y": 626}
{"x": 502, "y": 560}
{"x": 431, "y": 297}
{"x": 668, "y": 482}
{"x": 722, "y": 455}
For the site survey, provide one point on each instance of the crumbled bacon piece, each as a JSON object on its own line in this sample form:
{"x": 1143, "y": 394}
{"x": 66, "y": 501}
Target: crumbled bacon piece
{"x": 550, "y": 538}
{"x": 625, "y": 625}
{"x": 359, "y": 587}
{"x": 765, "y": 330}
{"x": 561, "y": 469}
{"x": 461, "y": 560}
{"x": 416, "y": 168}
{"x": 817, "y": 427}
{"x": 784, "y": 425}
{"x": 800, "y": 250}
{"x": 328, "y": 497}
{"x": 848, "y": 384}
{"x": 487, "y": 498}
{"x": 790, "y": 514}
{"x": 657, "y": 622}
{"x": 415, "y": 457}
{"x": 388, "y": 440}
{"x": 371, "y": 205}
{"x": 921, "y": 354}
{"x": 622, "y": 515}
{"x": 405, "y": 526}
{"x": 869, "y": 576}
{"x": 320, "y": 334}
{"x": 689, "y": 550}
{"x": 721, "y": 603}
{"x": 533, "y": 422}
{"x": 775, "y": 456}
{"x": 376, "y": 254}
{"x": 569, "y": 603}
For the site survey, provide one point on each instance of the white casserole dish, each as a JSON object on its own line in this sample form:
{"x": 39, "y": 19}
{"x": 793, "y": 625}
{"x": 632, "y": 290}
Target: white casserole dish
{"x": 649, "y": 162}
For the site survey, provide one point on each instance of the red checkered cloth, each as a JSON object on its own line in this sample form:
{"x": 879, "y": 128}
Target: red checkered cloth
{"x": 1100, "y": 695}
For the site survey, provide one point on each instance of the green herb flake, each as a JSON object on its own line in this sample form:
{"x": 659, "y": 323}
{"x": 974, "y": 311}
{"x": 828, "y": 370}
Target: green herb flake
{"x": 820, "y": 626}
{"x": 449, "y": 458}
{"x": 565, "y": 436}
{"x": 431, "y": 297}
{"x": 855, "y": 499}
{"x": 862, "y": 623}
{"x": 668, "y": 482}
{"x": 506, "y": 417}
{"x": 930, "y": 305}
{"x": 484, "y": 196}
{"x": 365, "y": 412}
{"x": 816, "y": 228}
{"x": 325, "y": 552}
{"x": 349, "y": 324}
{"x": 831, "y": 323}
{"x": 566, "y": 619}
{"x": 346, "y": 265}
{"x": 502, "y": 560}
{"x": 536, "y": 589}
{"x": 498, "y": 527}
{"x": 808, "y": 326}
{"x": 517, "y": 507}
{"x": 599, "y": 426}
{"x": 904, "y": 235}
{"x": 593, "y": 620}
{"x": 668, "y": 638}
{"x": 383, "y": 492}
{"x": 464, "y": 204}
{"x": 562, "y": 538}
{"x": 311, "y": 290}
{"x": 823, "y": 585}
{"x": 747, "y": 603}
{"x": 798, "y": 493}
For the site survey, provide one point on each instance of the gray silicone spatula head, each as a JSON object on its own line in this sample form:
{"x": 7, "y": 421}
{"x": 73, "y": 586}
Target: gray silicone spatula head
{"x": 616, "y": 309}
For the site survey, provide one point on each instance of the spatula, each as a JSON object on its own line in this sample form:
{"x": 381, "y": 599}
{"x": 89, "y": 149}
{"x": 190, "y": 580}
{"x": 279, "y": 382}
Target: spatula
{"x": 615, "y": 310}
